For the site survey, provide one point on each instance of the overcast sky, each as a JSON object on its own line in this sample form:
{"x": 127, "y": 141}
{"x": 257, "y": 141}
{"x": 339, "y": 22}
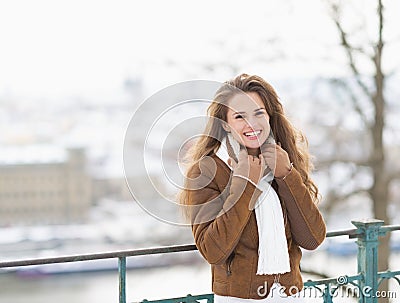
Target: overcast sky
{"x": 87, "y": 48}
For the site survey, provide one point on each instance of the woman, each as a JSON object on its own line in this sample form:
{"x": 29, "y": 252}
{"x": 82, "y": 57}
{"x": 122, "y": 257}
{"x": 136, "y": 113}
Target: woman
{"x": 251, "y": 202}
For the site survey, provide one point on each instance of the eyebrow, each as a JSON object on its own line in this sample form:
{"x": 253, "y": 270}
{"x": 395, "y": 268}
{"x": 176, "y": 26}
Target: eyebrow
{"x": 257, "y": 109}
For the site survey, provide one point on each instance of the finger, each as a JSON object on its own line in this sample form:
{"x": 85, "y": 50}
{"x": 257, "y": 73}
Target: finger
{"x": 250, "y": 158}
{"x": 280, "y": 149}
{"x": 256, "y": 160}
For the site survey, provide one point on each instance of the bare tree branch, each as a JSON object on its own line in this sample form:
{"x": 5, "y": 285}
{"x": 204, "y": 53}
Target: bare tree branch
{"x": 348, "y": 49}
{"x": 361, "y": 50}
{"x": 377, "y": 59}
{"x": 379, "y": 45}
{"x": 378, "y": 192}
{"x": 344, "y": 85}
{"x": 380, "y": 38}
{"x": 348, "y": 195}
{"x": 333, "y": 199}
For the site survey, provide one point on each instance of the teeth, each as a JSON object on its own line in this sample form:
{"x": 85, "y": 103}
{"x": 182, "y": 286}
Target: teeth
{"x": 255, "y": 133}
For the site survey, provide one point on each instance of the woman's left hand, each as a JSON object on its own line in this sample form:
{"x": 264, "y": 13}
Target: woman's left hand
{"x": 277, "y": 159}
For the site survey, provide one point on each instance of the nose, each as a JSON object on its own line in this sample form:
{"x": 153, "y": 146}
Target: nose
{"x": 251, "y": 122}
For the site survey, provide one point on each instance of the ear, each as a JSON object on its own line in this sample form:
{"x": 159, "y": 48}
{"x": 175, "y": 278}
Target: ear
{"x": 226, "y": 127}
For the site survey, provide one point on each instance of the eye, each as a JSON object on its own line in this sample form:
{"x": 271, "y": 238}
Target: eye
{"x": 260, "y": 113}
{"x": 239, "y": 117}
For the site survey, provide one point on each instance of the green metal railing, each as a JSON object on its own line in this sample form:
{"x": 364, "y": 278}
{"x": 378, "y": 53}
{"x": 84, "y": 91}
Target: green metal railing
{"x": 365, "y": 283}
{"x": 368, "y": 279}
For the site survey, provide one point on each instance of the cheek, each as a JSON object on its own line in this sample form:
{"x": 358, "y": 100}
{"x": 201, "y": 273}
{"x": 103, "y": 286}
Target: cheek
{"x": 267, "y": 129}
{"x": 266, "y": 126}
{"x": 236, "y": 128}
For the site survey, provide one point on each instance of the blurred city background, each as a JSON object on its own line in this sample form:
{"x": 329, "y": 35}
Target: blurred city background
{"x": 72, "y": 74}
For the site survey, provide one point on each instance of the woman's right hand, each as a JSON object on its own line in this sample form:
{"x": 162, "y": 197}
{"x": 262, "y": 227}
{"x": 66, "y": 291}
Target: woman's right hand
{"x": 250, "y": 167}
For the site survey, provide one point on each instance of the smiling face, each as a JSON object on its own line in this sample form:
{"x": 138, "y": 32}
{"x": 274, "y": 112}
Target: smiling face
{"x": 248, "y": 120}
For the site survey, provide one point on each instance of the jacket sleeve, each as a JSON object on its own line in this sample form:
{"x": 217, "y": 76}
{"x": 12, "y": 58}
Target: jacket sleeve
{"x": 219, "y": 218}
{"x": 306, "y": 222}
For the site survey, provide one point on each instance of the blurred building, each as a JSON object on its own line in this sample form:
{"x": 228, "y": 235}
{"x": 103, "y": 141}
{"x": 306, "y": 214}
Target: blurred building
{"x": 43, "y": 185}
{"x": 110, "y": 188}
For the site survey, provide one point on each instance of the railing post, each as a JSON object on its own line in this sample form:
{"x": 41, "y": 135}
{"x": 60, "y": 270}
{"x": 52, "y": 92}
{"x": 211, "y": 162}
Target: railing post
{"x": 122, "y": 279}
{"x": 327, "y": 294}
{"x": 367, "y": 258}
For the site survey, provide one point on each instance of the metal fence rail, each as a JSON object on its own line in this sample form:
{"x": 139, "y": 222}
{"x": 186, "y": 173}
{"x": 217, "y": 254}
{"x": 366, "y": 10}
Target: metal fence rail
{"x": 365, "y": 283}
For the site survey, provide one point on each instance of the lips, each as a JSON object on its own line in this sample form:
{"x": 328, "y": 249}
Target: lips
{"x": 254, "y": 133}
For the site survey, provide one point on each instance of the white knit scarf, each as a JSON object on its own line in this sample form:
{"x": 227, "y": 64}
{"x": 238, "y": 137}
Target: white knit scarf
{"x": 273, "y": 256}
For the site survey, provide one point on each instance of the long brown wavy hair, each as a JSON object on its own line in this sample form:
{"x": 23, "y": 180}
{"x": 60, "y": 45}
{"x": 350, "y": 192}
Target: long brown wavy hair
{"x": 292, "y": 140}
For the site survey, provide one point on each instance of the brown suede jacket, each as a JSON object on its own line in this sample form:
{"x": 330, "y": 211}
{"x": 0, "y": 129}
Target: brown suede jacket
{"x": 229, "y": 240}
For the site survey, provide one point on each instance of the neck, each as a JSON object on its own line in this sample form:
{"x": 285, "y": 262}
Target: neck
{"x": 254, "y": 151}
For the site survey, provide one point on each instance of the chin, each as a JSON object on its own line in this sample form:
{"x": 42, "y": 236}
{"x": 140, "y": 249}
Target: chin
{"x": 255, "y": 145}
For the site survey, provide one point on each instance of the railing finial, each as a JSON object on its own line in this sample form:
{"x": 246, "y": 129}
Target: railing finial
{"x": 367, "y": 256}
